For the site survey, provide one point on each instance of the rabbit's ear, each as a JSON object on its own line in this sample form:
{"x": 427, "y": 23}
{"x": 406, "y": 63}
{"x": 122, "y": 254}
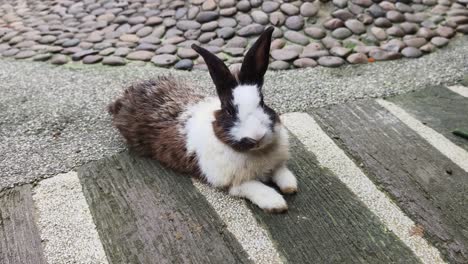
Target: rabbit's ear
{"x": 220, "y": 74}
{"x": 256, "y": 60}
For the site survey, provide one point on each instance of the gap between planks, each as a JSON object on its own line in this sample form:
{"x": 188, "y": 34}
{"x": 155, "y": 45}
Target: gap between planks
{"x": 306, "y": 129}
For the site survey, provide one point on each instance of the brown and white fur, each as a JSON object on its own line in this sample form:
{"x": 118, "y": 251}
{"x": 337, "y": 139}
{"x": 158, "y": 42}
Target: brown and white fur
{"x": 233, "y": 141}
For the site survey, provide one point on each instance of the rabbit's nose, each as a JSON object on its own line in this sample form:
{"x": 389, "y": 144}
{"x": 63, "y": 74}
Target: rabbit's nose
{"x": 259, "y": 137}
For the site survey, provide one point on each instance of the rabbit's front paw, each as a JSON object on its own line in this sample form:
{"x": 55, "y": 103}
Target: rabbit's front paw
{"x": 285, "y": 180}
{"x": 265, "y": 197}
{"x": 273, "y": 203}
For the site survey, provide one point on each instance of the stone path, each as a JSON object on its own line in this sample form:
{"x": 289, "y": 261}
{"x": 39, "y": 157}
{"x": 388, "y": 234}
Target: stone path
{"x": 381, "y": 181}
{"x": 307, "y": 34}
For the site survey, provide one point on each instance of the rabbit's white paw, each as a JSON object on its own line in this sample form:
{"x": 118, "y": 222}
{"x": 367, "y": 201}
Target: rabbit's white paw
{"x": 263, "y": 196}
{"x": 285, "y": 180}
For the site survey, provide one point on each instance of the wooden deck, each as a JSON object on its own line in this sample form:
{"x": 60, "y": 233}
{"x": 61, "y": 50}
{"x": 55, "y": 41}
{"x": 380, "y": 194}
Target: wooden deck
{"x": 145, "y": 213}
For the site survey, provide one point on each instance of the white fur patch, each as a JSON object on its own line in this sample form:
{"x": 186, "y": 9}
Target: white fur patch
{"x": 252, "y": 122}
{"x": 220, "y": 164}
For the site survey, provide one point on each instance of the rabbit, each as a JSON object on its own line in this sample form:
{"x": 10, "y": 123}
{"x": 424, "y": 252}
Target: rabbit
{"x": 233, "y": 141}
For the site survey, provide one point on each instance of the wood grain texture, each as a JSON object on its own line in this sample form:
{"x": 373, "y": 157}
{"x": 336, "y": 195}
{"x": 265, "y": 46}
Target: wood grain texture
{"x": 428, "y": 186}
{"x": 20, "y": 241}
{"x": 145, "y": 213}
{"x": 438, "y": 108}
{"x": 326, "y": 223}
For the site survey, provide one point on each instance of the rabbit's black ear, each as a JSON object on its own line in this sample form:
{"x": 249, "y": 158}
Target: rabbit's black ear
{"x": 256, "y": 60}
{"x": 220, "y": 74}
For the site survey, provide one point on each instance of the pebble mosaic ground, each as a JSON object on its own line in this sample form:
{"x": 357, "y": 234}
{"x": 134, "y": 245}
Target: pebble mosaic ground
{"x": 307, "y": 34}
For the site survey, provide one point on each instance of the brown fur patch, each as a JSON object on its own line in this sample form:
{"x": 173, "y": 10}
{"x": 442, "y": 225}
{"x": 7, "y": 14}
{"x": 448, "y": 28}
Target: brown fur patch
{"x": 148, "y": 115}
{"x": 219, "y": 131}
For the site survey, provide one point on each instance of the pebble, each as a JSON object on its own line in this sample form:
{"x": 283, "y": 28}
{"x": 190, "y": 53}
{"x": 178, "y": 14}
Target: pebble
{"x": 382, "y": 55}
{"x": 289, "y": 9}
{"x": 340, "y": 3}
{"x": 184, "y": 64}
{"x": 296, "y": 37}
{"x": 122, "y": 51}
{"x": 70, "y": 43}
{"x": 166, "y": 49}
{"x": 284, "y": 55}
{"x": 356, "y": 26}
{"x": 207, "y": 16}
{"x": 308, "y": 9}
{"x": 439, "y": 41}
{"x": 164, "y": 60}
{"x": 24, "y": 54}
{"x": 243, "y": 6}
{"x": 141, "y": 55}
{"x": 314, "y": 32}
{"x": 10, "y": 52}
{"x": 82, "y": 53}
{"x": 333, "y": 23}
{"x": 187, "y": 53}
{"x": 42, "y": 57}
{"x": 47, "y": 39}
{"x": 277, "y": 44}
{"x": 294, "y": 22}
{"x": 209, "y": 5}
{"x": 234, "y": 51}
{"x": 379, "y": 33}
{"x": 277, "y": 18}
{"x": 415, "y": 42}
{"x": 237, "y": 42}
{"x": 187, "y": 24}
{"x": 244, "y": 20}
{"x": 341, "y": 33}
{"x": 446, "y": 32}
{"x": 91, "y": 59}
{"x": 409, "y": 28}
{"x": 383, "y": 22}
{"x": 129, "y": 38}
{"x": 395, "y": 16}
{"x": 59, "y": 59}
{"x": 411, "y": 52}
{"x": 107, "y": 52}
{"x": 305, "y": 63}
{"x": 260, "y": 17}
{"x": 279, "y": 65}
{"x": 270, "y": 6}
{"x": 228, "y": 11}
{"x": 225, "y": 32}
{"x": 357, "y": 58}
{"x": 209, "y": 26}
{"x": 428, "y": 48}
{"x": 340, "y": 51}
{"x": 314, "y": 54}
{"x": 250, "y": 30}
{"x": 227, "y": 22}
{"x": 376, "y": 11}
{"x": 330, "y": 61}
{"x": 395, "y": 31}
{"x": 146, "y": 46}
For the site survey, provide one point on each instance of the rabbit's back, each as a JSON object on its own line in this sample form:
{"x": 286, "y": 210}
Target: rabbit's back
{"x": 149, "y": 116}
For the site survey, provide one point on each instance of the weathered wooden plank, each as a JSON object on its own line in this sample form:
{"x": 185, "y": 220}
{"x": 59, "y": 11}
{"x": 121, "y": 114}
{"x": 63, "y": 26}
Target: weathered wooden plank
{"x": 438, "y": 108}
{"x": 428, "y": 186}
{"x": 20, "y": 241}
{"x": 326, "y": 223}
{"x": 147, "y": 214}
